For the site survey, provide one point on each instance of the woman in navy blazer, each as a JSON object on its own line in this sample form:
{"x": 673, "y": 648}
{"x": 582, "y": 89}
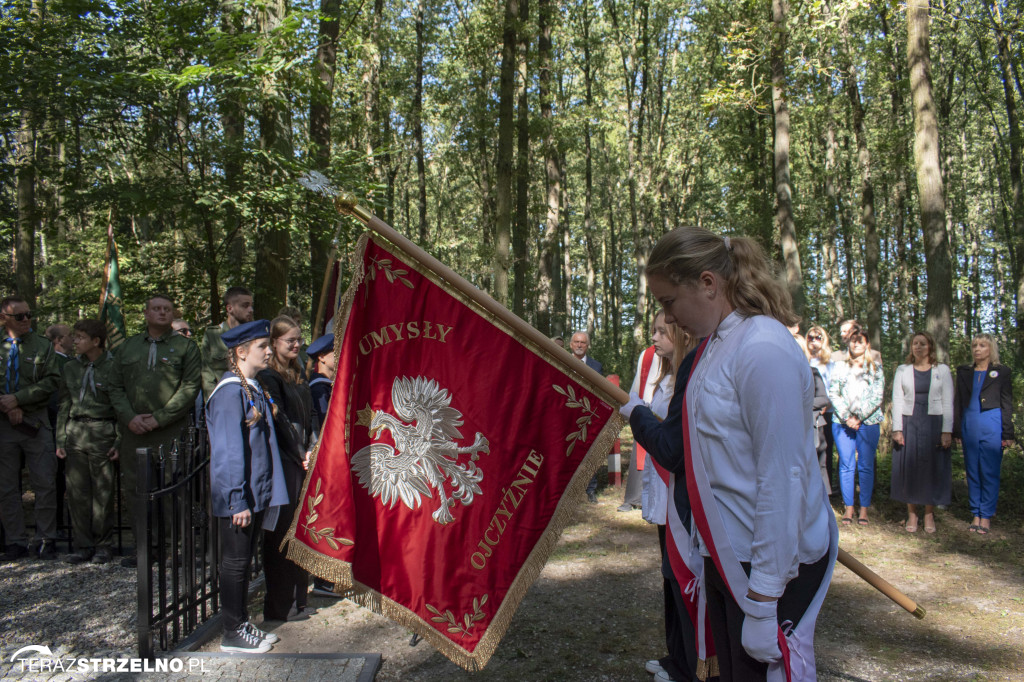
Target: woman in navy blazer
{"x": 983, "y": 420}
{"x": 247, "y": 486}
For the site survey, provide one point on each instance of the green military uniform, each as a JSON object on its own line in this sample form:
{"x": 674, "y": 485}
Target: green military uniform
{"x": 152, "y": 376}
{"x": 32, "y": 377}
{"x": 87, "y": 431}
{"x": 215, "y": 357}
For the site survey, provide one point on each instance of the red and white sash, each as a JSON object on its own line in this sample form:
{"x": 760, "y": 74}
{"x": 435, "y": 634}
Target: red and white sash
{"x": 646, "y": 361}
{"x": 797, "y": 662}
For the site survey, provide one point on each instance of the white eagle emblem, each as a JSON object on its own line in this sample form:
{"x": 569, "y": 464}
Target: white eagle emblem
{"x": 426, "y": 455}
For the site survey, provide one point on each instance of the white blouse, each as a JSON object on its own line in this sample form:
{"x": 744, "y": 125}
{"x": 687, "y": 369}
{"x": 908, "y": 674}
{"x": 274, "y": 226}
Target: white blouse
{"x": 749, "y": 402}
{"x": 654, "y": 497}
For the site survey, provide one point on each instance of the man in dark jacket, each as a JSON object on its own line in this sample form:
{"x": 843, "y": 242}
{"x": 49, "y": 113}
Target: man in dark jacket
{"x": 30, "y": 376}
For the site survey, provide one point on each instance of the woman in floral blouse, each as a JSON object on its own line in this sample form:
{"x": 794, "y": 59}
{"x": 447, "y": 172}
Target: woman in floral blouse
{"x": 856, "y": 393}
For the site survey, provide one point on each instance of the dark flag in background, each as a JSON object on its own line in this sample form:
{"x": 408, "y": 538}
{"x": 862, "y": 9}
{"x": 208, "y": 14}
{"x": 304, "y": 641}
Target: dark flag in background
{"x": 453, "y": 453}
{"x": 110, "y": 295}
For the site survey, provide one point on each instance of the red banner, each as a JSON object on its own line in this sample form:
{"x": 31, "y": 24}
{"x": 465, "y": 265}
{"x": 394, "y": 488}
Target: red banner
{"x": 452, "y": 456}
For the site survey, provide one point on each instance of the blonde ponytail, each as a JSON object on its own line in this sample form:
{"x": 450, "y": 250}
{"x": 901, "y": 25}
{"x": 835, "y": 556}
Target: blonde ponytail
{"x": 750, "y": 283}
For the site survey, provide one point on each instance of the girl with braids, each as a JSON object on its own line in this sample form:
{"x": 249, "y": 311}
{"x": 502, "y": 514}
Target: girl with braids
{"x": 287, "y": 582}
{"x": 761, "y": 512}
{"x": 247, "y": 486}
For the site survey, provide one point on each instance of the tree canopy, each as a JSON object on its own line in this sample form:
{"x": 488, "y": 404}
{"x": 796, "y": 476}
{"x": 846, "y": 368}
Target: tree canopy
{"x": 539, "y": 148}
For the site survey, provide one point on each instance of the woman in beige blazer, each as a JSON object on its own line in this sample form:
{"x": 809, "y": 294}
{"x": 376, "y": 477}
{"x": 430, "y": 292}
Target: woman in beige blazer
{"x": 922, "y": 429}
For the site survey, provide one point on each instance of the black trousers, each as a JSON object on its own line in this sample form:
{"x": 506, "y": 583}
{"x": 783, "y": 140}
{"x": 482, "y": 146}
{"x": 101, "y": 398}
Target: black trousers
{"x": 287, "y": 582}
{"x": 680, "y": 635}
{"x": 237, "y": 546}
{"x": 727, "y": 618}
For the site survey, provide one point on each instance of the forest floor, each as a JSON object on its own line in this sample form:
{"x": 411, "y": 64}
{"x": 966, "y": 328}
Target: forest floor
{"x": 595, "y": 611}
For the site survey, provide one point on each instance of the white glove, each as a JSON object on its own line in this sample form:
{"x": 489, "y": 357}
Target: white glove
{"x": 634, "y": 401}
{"x": 760, "y": 634}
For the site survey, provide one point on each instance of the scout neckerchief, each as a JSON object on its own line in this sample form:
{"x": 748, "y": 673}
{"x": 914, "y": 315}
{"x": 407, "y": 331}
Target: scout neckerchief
{"x": 645, "y": 370}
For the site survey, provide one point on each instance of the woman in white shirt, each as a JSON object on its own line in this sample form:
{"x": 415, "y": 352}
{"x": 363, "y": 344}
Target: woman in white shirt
{"x": 765, "y": 526}
{"x": 922, "y": 429}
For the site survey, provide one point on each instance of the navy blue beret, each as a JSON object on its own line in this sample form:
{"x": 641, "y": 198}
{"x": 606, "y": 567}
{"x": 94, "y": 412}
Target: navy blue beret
{"x": 243, "y": 333}
{"x": 322, "y": 345}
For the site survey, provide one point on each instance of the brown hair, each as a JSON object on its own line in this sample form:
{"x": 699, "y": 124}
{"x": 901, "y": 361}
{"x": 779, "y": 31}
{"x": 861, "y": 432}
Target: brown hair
{"x": 825, "y": 354}
{"x": 859, "y": 332}
{"x": 932, "y": 358}
{"x": 666, "y": 365}
{"x": 246, "y": 387}
{"x": 750, "y": 284}
{"x": 291, "y": 371}
{"x": 94, "y": 329}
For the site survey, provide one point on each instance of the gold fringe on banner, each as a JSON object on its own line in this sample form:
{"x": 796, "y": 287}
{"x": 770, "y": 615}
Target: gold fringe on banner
{"x": 340, "y": 572}
{"x": 707, "y": 667}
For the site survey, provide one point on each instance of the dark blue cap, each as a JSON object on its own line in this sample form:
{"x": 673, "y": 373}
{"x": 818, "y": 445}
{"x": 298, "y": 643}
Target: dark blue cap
{"x": 322, "y": 345}
{"x": 243, "y": 333}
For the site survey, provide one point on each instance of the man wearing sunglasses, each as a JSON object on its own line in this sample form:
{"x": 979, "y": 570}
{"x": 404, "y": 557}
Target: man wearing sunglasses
{"x": 29, "y": 375}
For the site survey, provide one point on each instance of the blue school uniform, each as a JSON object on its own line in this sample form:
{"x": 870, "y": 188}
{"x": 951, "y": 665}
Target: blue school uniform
{"x": 245, "y": 464}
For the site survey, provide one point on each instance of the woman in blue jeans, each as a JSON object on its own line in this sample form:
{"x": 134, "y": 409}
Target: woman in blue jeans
{"x": 982, "y": 411}
{"x": 856, "y": 392}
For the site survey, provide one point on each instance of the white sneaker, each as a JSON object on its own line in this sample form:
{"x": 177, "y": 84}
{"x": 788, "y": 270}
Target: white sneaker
{"x": 262, "y": 634}
{"x": 242, "y": 641}
{"x": 662, "y": 676}
{"x": 653, "y": 667}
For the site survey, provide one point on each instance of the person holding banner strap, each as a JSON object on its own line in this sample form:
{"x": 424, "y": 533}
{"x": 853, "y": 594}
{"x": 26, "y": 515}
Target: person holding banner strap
{"x": 765, "y": 527}
{"x": 690, "y": 653}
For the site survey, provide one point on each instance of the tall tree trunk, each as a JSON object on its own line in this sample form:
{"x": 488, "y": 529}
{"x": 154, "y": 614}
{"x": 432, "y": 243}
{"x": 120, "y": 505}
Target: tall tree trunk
{"x": 272, "y": 254}
{"x": 938, "y": 308}
{"x": 324, "y": 68}
{"x": 830, "y": 255}
{"x": 506, "y": 130}
{"x": 521, "y": 228}
{"x": 547, "y": 285}
{"x": 28, "y": 214}
{"x": 371, "y": 91}
{"x": 783, "y": 190}
{"x": 872, "y": 256}
{"x": 232, "y": 118}
{"x": 1016, "y": 182}
{"x": 417, "y": 131}
{"x": 588, "y": 173}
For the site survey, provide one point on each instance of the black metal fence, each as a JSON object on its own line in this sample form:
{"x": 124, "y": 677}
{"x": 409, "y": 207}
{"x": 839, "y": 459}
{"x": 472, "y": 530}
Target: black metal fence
{"x": 178, "y": 561}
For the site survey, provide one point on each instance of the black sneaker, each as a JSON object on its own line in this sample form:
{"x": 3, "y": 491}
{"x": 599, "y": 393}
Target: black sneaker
{"x": 80, "y": 556}
{"x": 241, "y": 641}
{"x": 103, "y": 555}
{"x": 14, "y": 552}
{"x": 262, "y": 634}
{"x": 324, "y": 588}
{"x": 48, "y": 550}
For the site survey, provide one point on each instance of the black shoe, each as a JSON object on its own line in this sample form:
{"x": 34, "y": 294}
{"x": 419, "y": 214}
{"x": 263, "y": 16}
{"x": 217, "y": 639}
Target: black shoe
{"x": 14, "y": 552}
{"x": 103, "y": 556}
{"x": 48, "y": 550}
{"x": 323, "y": 588}
{"x": 243, "y": 641}
{"x": 80, "y": 556}
{"x": 592, "y": 496}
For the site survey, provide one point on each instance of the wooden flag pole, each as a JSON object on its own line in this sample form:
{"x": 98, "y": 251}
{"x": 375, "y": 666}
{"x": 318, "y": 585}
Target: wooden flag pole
{"x": 347, "y": 204}
{"x": 880, "y": 584}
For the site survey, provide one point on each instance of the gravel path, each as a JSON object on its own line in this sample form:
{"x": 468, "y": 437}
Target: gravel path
{"x": 595, "y": 611}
